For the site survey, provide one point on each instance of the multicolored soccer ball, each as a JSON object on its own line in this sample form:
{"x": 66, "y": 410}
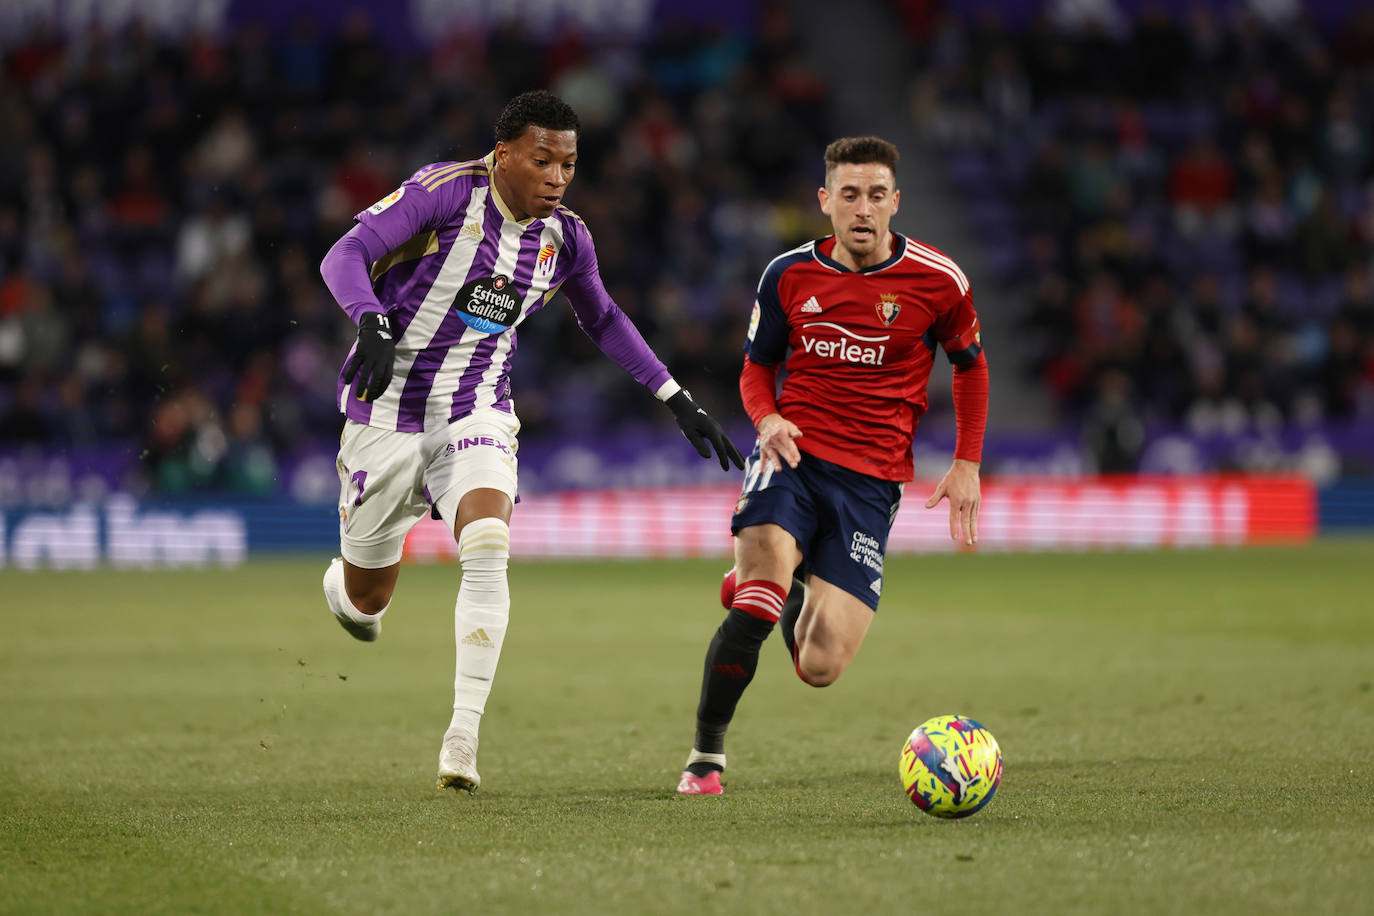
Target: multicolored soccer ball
{"x": 951, "y": 766}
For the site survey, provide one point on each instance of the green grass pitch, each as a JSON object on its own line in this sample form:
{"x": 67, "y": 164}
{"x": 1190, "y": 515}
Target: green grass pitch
{"x": 1182, "y": 732}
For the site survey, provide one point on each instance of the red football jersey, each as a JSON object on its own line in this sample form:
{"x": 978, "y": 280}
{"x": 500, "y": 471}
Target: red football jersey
{"x": 858, "y": 347}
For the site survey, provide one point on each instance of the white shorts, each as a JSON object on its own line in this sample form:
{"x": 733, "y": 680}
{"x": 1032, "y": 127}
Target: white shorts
{"x": 388, "y": 480}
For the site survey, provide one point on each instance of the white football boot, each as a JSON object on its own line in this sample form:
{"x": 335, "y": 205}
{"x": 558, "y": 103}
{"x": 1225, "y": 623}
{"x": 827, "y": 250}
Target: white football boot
{"x": 333, "y": 595}
{"x": 458, "y": 763}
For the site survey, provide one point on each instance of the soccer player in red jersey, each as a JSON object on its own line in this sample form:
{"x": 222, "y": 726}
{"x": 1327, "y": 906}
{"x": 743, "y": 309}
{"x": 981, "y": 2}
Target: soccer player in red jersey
{"x": 855, "y": 320}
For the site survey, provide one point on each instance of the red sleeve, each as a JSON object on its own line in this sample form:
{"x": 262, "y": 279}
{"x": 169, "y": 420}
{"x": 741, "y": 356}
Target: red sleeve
{"x": 758, "y": 389}
{"x": 970, "y": 391}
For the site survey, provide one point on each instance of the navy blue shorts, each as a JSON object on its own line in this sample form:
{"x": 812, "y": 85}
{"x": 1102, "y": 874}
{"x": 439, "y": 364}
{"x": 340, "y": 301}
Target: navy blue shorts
{"x": 840, "y": 518}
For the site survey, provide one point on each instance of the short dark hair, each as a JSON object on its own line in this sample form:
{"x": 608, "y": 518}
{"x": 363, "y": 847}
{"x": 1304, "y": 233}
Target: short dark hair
{"x": 538, "y": 108}
{"x": 858, "y": 151}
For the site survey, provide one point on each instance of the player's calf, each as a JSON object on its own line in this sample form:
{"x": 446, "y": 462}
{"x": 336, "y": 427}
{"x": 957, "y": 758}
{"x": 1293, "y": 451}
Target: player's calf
{"x": 731, "y": 660}
{"x": 830, "y": 632}
{"x": 791, "y": 607}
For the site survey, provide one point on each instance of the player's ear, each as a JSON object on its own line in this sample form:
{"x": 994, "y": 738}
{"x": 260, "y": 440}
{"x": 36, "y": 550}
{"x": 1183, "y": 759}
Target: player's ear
{"x": 896, "y": 200}
{"x": 824, "y": 197}
{"x": 501, "y": 153}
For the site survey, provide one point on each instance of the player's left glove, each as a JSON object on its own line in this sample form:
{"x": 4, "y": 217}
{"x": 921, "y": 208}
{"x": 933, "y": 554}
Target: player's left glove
{"x": 703, "y": 431}
{"x": 372, "y": 357}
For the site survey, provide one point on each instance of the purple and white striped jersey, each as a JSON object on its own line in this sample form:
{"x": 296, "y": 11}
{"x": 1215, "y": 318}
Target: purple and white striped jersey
{"x": 457, "y": 275}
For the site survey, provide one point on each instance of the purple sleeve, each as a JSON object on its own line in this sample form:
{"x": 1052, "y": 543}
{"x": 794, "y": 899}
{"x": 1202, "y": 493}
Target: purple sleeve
{"x": 603, "y": 321}
{"x": 385, "y": 225}
{"x": 345, "y": 271}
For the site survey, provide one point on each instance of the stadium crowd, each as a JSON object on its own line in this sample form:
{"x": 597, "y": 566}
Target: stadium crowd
{"x": 1184, "y": 205}
{"x": 1181, "y": 207}
{"x": 165, "y": 202}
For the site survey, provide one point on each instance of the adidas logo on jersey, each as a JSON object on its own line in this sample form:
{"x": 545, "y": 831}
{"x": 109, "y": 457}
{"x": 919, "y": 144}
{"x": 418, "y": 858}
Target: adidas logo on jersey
{"x": 472, "y": 231}
{"x": 877, "y": 586}
{"x": 811, "y": 306}
{"x": 479, "y": 638}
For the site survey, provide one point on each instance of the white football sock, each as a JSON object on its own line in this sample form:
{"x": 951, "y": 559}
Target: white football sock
{"x": 337, "y": 596}
{"x": 698, "y": 757}
{"x": 479, "y": 617}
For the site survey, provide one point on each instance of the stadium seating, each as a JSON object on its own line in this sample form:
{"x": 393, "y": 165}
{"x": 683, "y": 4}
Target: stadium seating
{"x": 1115, "y": 165}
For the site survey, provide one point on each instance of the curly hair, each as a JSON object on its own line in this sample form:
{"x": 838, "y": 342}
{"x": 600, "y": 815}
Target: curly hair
{"x": 858, "y": 151}
{"x": 539, "y": 109}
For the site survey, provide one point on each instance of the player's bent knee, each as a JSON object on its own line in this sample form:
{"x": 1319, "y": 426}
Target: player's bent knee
{"x": 819, "y": 676}
{"x": 370, "y": 590}
{"x": 818, "y": 669}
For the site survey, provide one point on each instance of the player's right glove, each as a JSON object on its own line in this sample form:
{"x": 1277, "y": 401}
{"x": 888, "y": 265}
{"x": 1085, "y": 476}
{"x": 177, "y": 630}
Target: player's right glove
{"x": 700, "y": 429}
{"x": 372, "y": 357}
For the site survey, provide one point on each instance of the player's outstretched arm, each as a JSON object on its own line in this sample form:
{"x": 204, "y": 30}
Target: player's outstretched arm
{"x": 345, "y": 271}
{"x": 961, "y": 487}
{"x": 703, "y": 431}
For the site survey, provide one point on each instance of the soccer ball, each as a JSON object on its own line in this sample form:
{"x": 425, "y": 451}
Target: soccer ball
{"x": 951, "y": 766}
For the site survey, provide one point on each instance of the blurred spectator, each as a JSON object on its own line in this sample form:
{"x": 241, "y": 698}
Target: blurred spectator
{"x": 1323, "y": 238}
{"x": 249, "y": 465}
{"x": 1114, "y": 431}
{"x": 1201, "y": 186}
{"x": 23, "y": 419}
{"x": 208, "y": 238}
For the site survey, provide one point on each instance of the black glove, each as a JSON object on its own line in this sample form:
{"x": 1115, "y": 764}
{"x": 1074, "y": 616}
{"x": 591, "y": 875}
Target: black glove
{"x": 700, "y": 429}
{"x": 373, "y": 357}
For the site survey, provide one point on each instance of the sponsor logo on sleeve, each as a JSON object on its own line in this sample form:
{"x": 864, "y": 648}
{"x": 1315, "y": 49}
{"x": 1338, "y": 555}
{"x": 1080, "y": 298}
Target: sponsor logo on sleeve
{"x": 387, "y": 201}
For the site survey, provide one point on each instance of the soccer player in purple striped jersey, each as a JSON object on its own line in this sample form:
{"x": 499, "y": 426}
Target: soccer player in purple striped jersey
{"x": 437, "y": 275}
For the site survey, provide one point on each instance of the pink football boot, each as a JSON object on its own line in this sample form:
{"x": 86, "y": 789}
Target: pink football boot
{"x": 700, "y": 785}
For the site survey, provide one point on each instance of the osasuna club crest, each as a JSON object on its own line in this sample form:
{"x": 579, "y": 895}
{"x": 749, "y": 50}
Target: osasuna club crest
{"x": 489, "y": 305}
{"x": 888, "y": 308}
